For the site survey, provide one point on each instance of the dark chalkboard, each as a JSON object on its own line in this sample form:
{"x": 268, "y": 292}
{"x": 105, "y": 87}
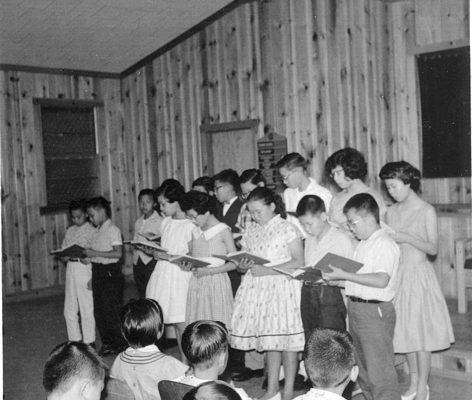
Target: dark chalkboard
{"x": 444, "y": 78}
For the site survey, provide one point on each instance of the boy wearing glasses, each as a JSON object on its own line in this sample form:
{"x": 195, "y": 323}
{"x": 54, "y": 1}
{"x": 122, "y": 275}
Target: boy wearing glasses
{"x": 370, "y": 292}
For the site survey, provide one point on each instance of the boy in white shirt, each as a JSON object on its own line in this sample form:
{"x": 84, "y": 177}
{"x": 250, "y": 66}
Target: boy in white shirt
{"x": 370, "y": 292}
{"x": 329, "y": 361}
{"x": 149, "y": 223}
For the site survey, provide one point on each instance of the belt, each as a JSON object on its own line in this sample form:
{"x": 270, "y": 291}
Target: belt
{"x": 359, "y": 300}
{"x": 312, "y": 284}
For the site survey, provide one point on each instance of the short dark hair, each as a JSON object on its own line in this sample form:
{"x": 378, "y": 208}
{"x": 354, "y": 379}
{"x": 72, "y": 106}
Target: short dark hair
{"x": 329, "y": 357}
{"x": 402, "y": 171}
{"x": 147, "y": 192}
{"x": 310, "y": 204}
{"x": 291, "y": 161}
{"x": 252, "y": 175}
{"x": 363, "y": 202}
{"x": 230, "y": 177}
{"x": 142, "y": 323}
{"x": 171, "y": 191}
{"x": 78, "y": 205}
{"x": 352, "y": 162}
{"x": 100, "y": 203}
{"x": 268, "y": 196}
{"x": 213, "y": 390}
{"x": 206, "y": 182}
{"x": 199, "y": 202}
{"x": 70, "y": 361}
{"x": 203, "y": 340}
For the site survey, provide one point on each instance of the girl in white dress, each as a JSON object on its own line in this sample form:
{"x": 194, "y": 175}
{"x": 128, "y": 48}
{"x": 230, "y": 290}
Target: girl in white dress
{"x": 423, "y": 324}
{"x": 209, "y": 296}
{"x": 168, "y": 284}
{"x": 266, "y": 315}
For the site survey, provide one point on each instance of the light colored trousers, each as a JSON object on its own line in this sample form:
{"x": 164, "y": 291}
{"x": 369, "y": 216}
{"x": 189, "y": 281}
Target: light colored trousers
{"x": 79, "y": 300}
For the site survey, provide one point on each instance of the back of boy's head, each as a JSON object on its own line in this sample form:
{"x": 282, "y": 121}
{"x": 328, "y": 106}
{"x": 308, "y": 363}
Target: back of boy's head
{"x": 100, "y": 203}
{"x": 329, "y": 357}
{"x": 229, "y": 176}
{"x": 203, "y": 341}
{"x": 142, "y": 323}
{"x": 78, "y": 205}
{"x": 146, "y": 192}
{"x": 69, "y": 362}
{"x": 363, "y": 203}
{"x": 310, "y": 204}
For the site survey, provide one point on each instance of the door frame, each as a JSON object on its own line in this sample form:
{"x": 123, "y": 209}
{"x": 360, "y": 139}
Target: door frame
{"x": 208, "y": 130}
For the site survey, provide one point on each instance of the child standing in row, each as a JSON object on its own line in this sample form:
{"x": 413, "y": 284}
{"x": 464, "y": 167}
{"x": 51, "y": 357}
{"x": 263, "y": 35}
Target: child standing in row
{"x": 142, "y": 365}
{"x": 370, "y": 292}
{"x": 107, "y": 278}
{"x": 209, "y": 294}
{"x": 149, "y": 223}
{"x": 266, "y": 313}
{"x": 423, "y": 322}
{"x": 321, "y": 306}
{"x": 78, "y": 292}
{"x": 168, "y": 284}
{"x": 292, "y": 168}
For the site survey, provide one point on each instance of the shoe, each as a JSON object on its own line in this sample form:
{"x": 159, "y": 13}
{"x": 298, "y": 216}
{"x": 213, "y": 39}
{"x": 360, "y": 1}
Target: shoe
{"x": 246, "y": 374}
{"x": 410, "y": 396}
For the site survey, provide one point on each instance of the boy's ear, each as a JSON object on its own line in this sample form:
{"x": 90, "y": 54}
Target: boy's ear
{"x": 324, "y": 216}
{"x": 354, "y": 373}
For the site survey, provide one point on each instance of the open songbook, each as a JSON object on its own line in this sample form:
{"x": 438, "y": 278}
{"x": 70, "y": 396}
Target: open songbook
{"x": 149, "y": 247}
{"x": 313, "y": 273}
{"x": 150, "y": 236}
{"x": 241, "y": 255}
{"x": 74, "y": 251}
{"x": 196, "y": 262}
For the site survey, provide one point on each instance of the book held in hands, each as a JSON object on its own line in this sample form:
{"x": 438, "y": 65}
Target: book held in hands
{"x": 149, "y": 247}
{"x": 196, "y": 262}
{"x": 74, "y": 251}
{"x": 238, "y": 256}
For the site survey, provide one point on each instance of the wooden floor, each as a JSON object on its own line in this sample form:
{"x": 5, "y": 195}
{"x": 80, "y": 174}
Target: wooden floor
{"x": 32, "y": 328}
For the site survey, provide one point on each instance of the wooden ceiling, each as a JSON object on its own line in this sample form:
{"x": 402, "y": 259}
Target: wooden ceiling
{"x": 94, "y": 35}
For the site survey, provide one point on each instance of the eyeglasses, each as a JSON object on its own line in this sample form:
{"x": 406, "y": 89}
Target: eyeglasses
{"x": 336, "y": 172}
{"x": 352, "y": 224}
{"x": 285, "y": 178}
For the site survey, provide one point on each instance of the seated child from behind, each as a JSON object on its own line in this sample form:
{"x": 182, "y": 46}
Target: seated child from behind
{"x": 329, "y": 361}
{"x": 74, "y": 371}
{"x": 142, "y": 365}
{"x": 205, "y": 345}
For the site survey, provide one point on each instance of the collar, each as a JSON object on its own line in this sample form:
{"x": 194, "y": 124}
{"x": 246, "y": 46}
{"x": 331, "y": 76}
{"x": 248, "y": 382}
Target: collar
{"x": 323, "y": 394}
{"x": 213, "y": 231}
{"x": 105, "y": 224}
{"x": 146, "y": 349}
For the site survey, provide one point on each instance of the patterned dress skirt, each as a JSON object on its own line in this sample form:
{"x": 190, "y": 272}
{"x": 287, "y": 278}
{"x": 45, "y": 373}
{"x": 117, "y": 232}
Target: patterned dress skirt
{"x": 266, "y": 315}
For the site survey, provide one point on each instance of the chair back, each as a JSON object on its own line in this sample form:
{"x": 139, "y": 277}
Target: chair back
{"x": 170, "y": 390}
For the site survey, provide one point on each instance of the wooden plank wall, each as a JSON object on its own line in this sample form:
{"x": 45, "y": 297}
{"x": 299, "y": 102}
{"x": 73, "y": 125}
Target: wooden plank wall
{"x": 325, "y": 73}
{"x": 27, "y": 236}
{"x": 422, "y": 26}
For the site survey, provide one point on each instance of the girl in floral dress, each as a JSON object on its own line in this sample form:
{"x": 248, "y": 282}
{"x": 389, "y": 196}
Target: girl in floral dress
{"x": 266, "y": 315}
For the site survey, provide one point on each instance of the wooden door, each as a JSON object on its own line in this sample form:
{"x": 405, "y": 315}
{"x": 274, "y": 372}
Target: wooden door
{"x": 230, "y": 145}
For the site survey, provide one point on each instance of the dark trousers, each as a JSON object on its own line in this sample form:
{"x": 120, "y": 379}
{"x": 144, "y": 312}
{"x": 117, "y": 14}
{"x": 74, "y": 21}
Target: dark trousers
{"x": 322, "y": 307}
{"x": 107, "y": 287}
{"x": 236, "y": 357}
{"x": 142, "y": 272}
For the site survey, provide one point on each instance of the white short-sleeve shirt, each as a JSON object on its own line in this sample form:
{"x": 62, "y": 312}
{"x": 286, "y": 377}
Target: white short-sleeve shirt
{"x": 106, "y": 236}
{"x": 378, "y": 253}
{"x": 143, "y": 226}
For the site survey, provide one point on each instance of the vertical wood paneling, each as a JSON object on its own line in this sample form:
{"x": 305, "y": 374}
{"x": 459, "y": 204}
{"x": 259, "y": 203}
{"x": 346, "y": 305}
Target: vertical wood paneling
{"x": 30, "y": 236}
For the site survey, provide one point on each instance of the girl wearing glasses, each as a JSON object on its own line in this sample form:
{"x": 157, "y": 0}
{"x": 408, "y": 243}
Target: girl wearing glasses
{"x": 347, "y": 168}
{"x": 249, "y": 180}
